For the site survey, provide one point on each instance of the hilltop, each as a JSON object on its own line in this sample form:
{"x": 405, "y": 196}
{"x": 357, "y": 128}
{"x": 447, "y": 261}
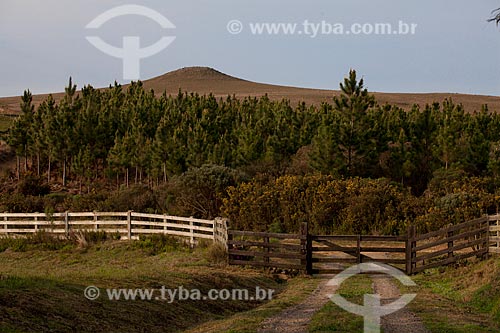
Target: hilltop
{"x": 205, "y": 80}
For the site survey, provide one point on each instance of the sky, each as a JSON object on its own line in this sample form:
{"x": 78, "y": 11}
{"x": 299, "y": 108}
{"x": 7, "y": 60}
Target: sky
{"x": 453, "y": 49}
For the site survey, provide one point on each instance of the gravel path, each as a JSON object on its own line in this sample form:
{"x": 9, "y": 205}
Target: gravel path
{"x": 400, "y": 321}
{"x": 296, "y": 318}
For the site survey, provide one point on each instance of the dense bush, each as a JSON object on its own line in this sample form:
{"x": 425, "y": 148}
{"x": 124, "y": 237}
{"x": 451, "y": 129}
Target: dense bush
{"x": 329, "y": 205}
{"x": 199, "y": 191}
{"x": 354, "y": 205}
{"x": 139, "y": 198}
{"x": 33, "y": 185}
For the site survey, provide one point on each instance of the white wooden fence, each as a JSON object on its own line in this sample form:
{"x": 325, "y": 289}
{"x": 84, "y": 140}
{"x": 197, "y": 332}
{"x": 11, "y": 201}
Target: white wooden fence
{"x": 494, "y": 233}
{"x": 126, "y": 224}
{"x": 129, "y": 225}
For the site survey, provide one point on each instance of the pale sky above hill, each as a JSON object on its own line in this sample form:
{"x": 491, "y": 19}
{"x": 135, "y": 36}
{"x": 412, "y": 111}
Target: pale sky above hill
{"x": 454, "y": 49}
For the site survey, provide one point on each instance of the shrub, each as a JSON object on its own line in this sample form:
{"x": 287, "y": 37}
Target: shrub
{"x": 329, "y": 205}
{"x": 217, "y": 254}
{"x": 33, "y": 185}
{"x": 138, "y": 198}
{"x": 159, "y": 243}
{"x": 38, "y": 240}
{"x": 19, "y": 203}
{"x": 200, "y": 191}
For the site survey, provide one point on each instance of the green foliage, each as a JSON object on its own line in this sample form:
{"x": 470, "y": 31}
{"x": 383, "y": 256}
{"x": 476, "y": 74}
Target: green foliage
{"x": 158, "y": 243}
{"x": 138, "y": 198}
{"x": 382, "y": 167}
{"x": 35, "y": 241}
{"x": 329, "y": 205}
{"x": 18, "y": 203}
{"x": 199, "y": 191}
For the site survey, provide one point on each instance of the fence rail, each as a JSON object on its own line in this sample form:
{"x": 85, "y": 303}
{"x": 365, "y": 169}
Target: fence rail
{"x": 329, "y": 254}
{"x": 314, "y": 254}
{"x": 449, "y": 245}
{"x": 494, "y": 222}
{"x": 265, "y": 249}
{"x": 128, "y": 224}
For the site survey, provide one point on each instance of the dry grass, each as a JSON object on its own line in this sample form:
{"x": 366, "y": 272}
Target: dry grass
{"x": 206, "y": 80}
{"x": 43, "y": 290}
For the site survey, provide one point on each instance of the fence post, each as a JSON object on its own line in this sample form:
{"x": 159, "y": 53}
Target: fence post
{"x": 191, "y": 232}
{"x": 165, "y": 228}
{"x": 6, "y": 226}
{"x": 497, "y": 235}
{"x": 485, "y": 256}
{"x": 66, "y": 223}
{"x": 216, "y": 229}
{"x": 96, "y": 226}
{"x": 410, "y": 235}
{"x": 229, "y": 244}
{"x": 36, "y": 223}
{"x": 266, "y": 249}
{"x": 129, "y": 225}
{"x": 225, "y": 229}
{"x": 306, "y": 248}
{"x": 450, "y": 244}
{"x": 358, "y": 249}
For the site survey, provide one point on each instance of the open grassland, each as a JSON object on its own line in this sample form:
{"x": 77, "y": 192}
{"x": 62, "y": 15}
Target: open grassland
{"x": 42, "y": 286}
{"x": 5, "y": 122}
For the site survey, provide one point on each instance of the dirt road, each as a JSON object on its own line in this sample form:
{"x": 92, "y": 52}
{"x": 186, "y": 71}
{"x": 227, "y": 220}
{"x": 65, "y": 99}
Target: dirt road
{"x": 297, "y": 318}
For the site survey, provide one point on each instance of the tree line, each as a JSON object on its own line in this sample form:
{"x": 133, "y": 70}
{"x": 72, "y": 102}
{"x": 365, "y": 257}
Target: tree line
{"x": 131, "y": 135}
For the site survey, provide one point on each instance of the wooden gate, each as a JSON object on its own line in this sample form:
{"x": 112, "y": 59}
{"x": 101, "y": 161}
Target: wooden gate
{"x": 332, "y": 254}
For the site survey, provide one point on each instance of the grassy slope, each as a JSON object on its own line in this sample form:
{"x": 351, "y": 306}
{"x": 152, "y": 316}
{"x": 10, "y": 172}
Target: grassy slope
{"x": 462, "y": 299}
{"x": 454, "y": 300}
{"x": 5, "y": 122}
{"x": 42, "y": 290}
{"x": 295, "y": 291}
{"x": 206, "y": 80}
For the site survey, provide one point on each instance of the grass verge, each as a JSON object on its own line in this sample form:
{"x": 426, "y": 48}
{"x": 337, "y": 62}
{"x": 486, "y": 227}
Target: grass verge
{"x": 460, "y": 299}
{"x": 332, "y": 318}
{"x": 296, "y": 290}
{"x": 42, "y": 289}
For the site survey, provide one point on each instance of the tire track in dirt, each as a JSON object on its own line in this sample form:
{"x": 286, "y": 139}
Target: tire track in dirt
{"x": 296, "y": 318}
{"x": 400, "y": 321}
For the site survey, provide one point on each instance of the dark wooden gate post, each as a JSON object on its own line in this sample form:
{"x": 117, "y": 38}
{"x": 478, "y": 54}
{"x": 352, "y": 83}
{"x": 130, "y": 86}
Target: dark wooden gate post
{"x": 359, "y": 259}
{"x": 306, "y": 248}
{"x": 450, "y": 243}
{"x": 410, "y": 235}
{"x": 266, "y": 249}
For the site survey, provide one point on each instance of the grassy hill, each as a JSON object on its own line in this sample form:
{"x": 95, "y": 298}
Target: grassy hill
{"x": 42, "y": 286}
{"x": 204, "y": 80}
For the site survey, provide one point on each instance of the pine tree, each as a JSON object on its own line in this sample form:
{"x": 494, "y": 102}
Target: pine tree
{"x": 353, "y": 104}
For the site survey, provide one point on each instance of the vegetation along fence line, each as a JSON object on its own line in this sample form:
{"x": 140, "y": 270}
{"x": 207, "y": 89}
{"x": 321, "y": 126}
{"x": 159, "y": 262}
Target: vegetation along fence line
{"x": 314, "y": 254}
{"x": 127, "y": 224}
{"x": 329, "y": 254}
